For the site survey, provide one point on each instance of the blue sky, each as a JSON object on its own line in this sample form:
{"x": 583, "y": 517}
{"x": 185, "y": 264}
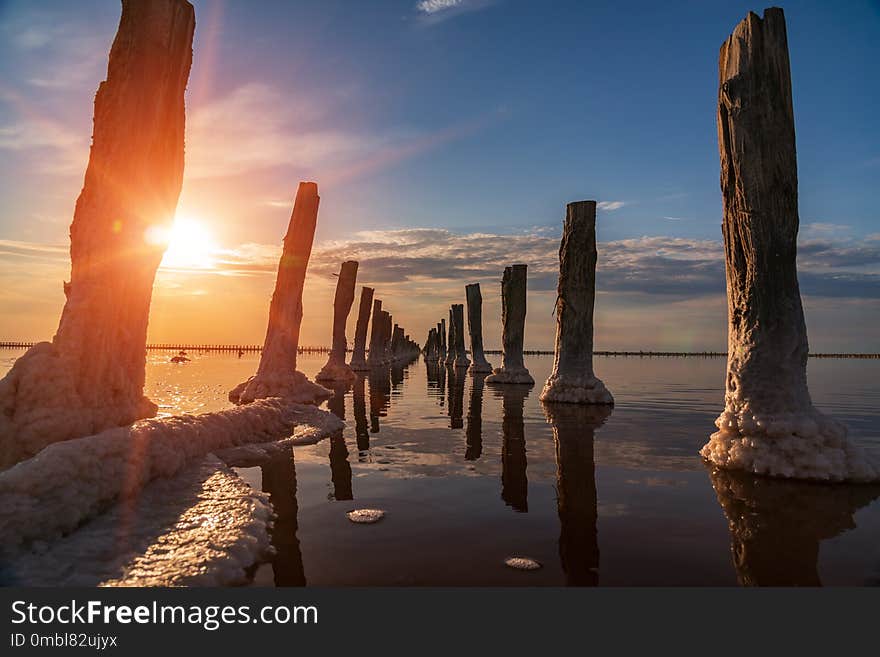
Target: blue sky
{"x": 456, "y": 119}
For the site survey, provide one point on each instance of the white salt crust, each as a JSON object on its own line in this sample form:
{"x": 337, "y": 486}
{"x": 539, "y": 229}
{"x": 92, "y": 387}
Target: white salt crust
{"x": 480, "y": 368}
{"x": 336, "y": 373}
{"x": 52, "y": 493}
{"x": 202, "y": 527}
{"x": 510, "y": 375}
{"x": 803, "y": 445}
{"x": 291, "y": 386}
{"x": 576, "y": 390}
{"x": 522, "y": 563}
{"x": 365, "y": 516}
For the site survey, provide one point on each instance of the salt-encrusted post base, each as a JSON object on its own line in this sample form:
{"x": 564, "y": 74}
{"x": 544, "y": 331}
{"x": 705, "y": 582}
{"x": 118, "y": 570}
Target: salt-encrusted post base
{"x": 293, "y": 387}
{"x": 336, "y": 373}
{"x": 510, "y": 375}
{"x": 568, "y": 389}
{"x": 804, "y": 445}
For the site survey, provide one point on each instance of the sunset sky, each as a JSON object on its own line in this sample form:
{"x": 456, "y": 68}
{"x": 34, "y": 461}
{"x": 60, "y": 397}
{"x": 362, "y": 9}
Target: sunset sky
{"x": 446, "y": 137}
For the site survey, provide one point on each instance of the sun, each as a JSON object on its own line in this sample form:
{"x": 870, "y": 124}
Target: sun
{"x": 190, "y": 244}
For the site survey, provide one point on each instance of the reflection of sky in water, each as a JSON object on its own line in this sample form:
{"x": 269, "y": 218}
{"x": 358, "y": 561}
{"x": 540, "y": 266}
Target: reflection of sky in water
{"x": 464, "y": 488}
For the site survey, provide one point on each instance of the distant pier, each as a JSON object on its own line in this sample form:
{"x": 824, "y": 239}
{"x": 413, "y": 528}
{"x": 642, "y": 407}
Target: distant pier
{"x": 180, "y": 346}
{"x": 256, "y": 348}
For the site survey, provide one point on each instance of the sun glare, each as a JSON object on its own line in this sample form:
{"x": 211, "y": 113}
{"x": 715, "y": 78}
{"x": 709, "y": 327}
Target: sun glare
{"x": 190, "y": 244}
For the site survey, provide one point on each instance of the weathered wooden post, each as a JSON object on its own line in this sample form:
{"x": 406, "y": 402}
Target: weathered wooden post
{"x": 277, "y": 375}
{"x": 377, "y": 350}
{"x": 475, "y": 328}
{"x": 769, "y": 424}
{"x": 91, "y": 376}
{"x": 572, "y": 379}
{"x": 450, "y": 346}
{"x": 458, "y": 355}
{"x": 513, "y": 324}
{"x": 336, "y": 369}
{"x": 387, "y": 330}
{"x": 359, "y": 351}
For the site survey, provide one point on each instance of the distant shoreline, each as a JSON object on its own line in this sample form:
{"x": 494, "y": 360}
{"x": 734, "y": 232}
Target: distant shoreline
{"x": 250, "y": 348}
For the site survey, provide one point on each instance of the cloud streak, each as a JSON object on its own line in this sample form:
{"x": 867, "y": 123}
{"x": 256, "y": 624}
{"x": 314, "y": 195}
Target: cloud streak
{"x": 431, "y": 12}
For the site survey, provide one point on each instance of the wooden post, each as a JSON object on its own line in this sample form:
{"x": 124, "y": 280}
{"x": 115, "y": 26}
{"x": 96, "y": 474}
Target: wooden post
{"x": 277, "y": 375}
{"x": 769, "y": 425}
{"x": 572, "y": 379}
{"x": 336, "y": 369}
{"x": 91, "y": 376}
{"x": 475, "y": 328}
{"x": 359, "y": 352}
{"x": 513, "y": 323}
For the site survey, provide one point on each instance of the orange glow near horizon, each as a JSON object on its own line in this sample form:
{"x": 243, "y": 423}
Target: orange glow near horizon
{"x": 190, "y": 244}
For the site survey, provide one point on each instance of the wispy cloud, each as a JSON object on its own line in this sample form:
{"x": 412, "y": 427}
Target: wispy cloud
{"x": 435, "y": 11}
{"x": 611, "y": 206}
{"x": 47, "y": 145}
{"x": 433, "y": 6}
{"x": 17, "y": 248}
{"x": 256, "y": 127}
{"x": 61, "y": 54}
{"x": 262, "y": 128}
{"x": 824, "y": 229}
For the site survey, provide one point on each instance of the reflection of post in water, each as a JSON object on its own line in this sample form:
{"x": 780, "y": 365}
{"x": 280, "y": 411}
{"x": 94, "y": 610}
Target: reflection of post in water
{"x": 336, "y": 404}
{"x": 455, "y": 405}
{"x": 474, "y": 430}
{"x": 436, "y": 372}
{"x": 380, "y": 389}
{"x": 279, "y": 480}
{"x": 514, "y": 483}
{"x": 359, "y": 403}
{"x": 397, "y": 368}
{"x": 340, "y": 468}
{"x": 574, "y": 426}
{"x": 776, "y": 525}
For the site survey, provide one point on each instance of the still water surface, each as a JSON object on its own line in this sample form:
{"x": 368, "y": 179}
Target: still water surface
{"x": 470, "y": 474}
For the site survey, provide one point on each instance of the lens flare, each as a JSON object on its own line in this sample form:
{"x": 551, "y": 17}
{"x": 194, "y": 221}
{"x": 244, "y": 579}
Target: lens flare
{"x": 189, "y": 244}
